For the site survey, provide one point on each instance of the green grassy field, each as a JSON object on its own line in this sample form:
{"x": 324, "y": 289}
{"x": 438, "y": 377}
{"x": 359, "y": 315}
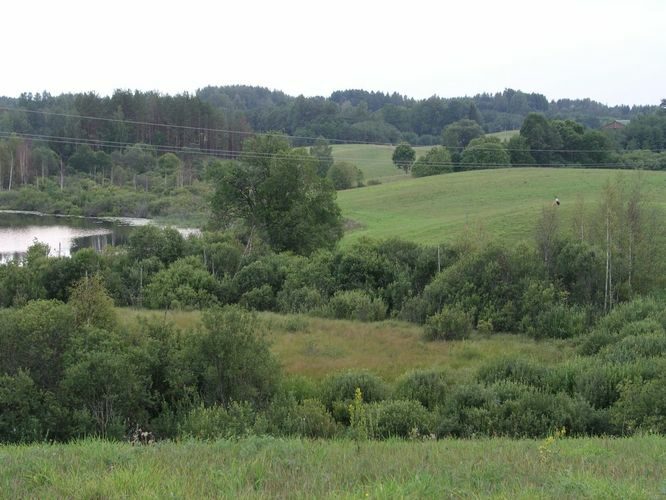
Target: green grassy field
{"x": 505, "y": 135}
{"x": 261, "y": 467}
{"x": 374, "y": 161}
{"x": 316, "y": 347}
{"x": 501, "y": 204}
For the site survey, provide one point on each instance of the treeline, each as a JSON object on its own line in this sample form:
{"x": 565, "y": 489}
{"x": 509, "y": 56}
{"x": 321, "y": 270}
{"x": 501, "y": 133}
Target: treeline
{"x": 543, "y": 142}
{"x": 359, "y": 115}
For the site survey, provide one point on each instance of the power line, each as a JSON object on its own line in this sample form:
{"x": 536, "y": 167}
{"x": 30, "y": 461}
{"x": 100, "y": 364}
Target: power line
{"x": 233, "y": 154}
{"x": 188, "y": 127}
{"x": 275, "y": 134}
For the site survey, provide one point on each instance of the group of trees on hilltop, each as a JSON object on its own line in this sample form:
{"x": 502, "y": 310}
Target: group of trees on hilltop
{"x": 543, "y": 142}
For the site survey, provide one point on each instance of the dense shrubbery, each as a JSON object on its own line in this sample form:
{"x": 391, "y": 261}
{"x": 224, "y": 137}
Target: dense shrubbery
{"x": 69, "y": 369}
{"x": 64, "y": 377}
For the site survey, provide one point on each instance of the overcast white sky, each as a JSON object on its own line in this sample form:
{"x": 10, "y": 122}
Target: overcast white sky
{"x": 613, "y": 51}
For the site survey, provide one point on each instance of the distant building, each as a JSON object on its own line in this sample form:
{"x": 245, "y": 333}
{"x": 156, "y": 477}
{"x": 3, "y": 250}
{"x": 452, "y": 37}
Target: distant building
{"x": 616, "y": 124}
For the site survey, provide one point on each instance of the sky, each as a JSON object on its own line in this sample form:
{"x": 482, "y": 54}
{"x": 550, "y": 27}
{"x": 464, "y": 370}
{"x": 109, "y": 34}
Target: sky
{"x": 612, "y": 51}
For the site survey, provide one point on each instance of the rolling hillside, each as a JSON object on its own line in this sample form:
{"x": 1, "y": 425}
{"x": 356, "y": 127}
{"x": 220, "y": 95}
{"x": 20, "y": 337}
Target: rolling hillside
{"x": 502, "y": 204}
{"x": 374, "y": 161}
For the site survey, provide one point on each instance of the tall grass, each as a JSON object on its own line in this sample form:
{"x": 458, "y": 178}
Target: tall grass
{"x": 261, "y": 467}
{"x": 316, "y": 347}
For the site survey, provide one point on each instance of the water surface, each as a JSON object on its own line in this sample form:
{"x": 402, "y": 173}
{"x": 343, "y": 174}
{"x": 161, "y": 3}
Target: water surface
{"x": 63, "y": 234}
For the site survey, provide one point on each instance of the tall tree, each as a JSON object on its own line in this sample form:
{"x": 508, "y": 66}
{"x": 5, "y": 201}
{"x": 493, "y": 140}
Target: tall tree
{"x": 276, "y": 191}
{"x": 459, "y": 134}
{"x": 404, "y": 156}
{"x": 323, "y": 152}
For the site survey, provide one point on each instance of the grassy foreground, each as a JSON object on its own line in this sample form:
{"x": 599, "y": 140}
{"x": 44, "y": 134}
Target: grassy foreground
{"x": 262, "y": 467}
{"x": 502, "y": 204}
{"x": 316, "y": 347}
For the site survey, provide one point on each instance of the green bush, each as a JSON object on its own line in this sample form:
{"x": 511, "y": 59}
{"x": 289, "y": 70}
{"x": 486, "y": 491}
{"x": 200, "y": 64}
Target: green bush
{"x": 536, "y": 414}
{"x": 517, "y": 370}
{"x": 356, "y": 305}
{"x": 218, "y": 422}
{"x": 185, "y": 284}
{"x": 634, "y": 347}
{"x": 428, "y": 387}
{"x": 641, "y": 406}
{"x": 608, "y": 333}
{"x": 467, "y": 412}
{"x": 27, "y": 414}
{"x": 259, "y": 299}
{"x": 340, "y": 388}
{"x": 414, "y": 310}
{"x": 227, "y": 360}
{"x": 558, "y": 321}
{"x": 451, "y": 323}
{"x": 307, "y": 418}
{"x": 345, "y": 175}
{"x": 300, "y": 300}
{"x": 399, "y": 418}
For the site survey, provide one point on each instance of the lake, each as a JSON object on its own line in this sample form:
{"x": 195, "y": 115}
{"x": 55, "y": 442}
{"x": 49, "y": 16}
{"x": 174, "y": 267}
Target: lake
{"x": 63, "y": 234}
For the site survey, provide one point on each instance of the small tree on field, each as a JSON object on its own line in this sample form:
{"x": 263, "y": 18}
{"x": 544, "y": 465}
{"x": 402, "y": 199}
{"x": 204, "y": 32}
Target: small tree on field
{"x": 404, "y": 156}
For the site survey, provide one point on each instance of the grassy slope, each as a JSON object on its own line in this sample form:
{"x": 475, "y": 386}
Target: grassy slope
{"x": 280, "y": 468}
{"x": 505, "y": 135}
{"x": 503, "y": 203}
{"x": 374, "y": 161}
{"x": 315, "y": 347}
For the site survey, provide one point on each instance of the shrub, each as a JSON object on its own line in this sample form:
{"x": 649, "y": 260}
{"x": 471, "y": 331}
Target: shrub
{"x": 558, "y": 321}
{"x": 340, "y": 388}
{"x": 434, "y": 162}
{"x": 356, "y": 305}
{"x": 428, "y": 387}
{"x": 399, "y": 418}
{"x": 598, "y": 383}
{"x": 634, "y": 347}
{"x": 641, "y": 406}
{"x": 414, "y": 310}
{"x": 484, "y": 327}
{"x": 513, "y": 369}
{"x": 451, "y": 323}
{"x": 27, "y": 414}
{"x": 345, "y": 175}
{"x": 228, "y": 360}
{"x": 629, "y": 312}
{"x": 309, "y": 418}
{"x": 300, "y": 300}
{"x": 259, "y": 299}
{"x": 610, "y": 332}
{"x": 185, "y": 284}
{"x": 467, "y": 412}
{"x": 537, "y": 414}
{"x": 216, "y": 422}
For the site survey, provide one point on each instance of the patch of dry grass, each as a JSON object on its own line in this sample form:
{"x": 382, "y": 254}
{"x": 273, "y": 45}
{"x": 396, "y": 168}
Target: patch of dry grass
{"x": 316, "y": 347}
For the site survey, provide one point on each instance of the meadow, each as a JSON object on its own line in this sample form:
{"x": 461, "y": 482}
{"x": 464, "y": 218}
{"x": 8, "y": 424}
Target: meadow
{"x": 263, "y": 467}
{"x": 373, "y": 160}
{"x": 316, "y": 347}
{"x": 502, "y": 204}
{"x": 504, "y": 135}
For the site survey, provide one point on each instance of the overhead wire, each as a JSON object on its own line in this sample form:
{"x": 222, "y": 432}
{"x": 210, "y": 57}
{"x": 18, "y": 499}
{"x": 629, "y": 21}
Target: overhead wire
{"x": 234, "y": 154}
{"x": 276, "y": 134}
